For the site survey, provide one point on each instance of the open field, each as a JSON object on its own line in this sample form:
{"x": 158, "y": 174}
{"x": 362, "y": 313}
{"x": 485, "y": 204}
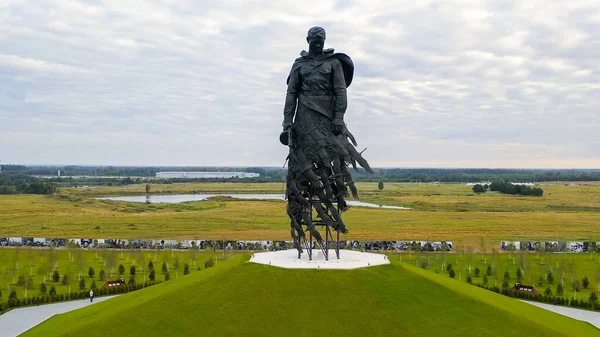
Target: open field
{"x": 445, "y": 212}
{"x": 245, "y": 299}
{"x": 35, "y": 262}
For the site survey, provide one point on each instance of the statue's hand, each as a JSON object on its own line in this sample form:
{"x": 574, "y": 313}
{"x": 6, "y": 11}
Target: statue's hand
{"x": 338, "y": 126}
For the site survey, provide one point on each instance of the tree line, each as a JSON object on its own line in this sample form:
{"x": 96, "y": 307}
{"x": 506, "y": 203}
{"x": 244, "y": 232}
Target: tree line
{"x": 24, "y": 184}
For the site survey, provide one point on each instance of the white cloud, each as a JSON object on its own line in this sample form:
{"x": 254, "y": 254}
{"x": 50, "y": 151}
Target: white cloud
{"x": 203, "y": 83}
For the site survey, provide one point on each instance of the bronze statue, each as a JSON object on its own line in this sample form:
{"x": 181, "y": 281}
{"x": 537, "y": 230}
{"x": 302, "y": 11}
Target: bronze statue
{"x": 320, "y": 145}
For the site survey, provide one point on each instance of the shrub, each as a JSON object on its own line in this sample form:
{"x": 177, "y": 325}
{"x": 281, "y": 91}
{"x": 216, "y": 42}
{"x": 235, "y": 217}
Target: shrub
{"x": 593, "y": 298}
{"x": 132, "y": 271}
{"x": 43, "y": 288}
{"x": 55, "y": 276}
{"x": 152, "y": 275}
{"x": 52, "y": 291}
{"x": 559, "y": 289}
{"x": 186, "y": 269}
{"x": 102, "y": 275}
{"x": 65, "y": 280}
{"x": 485, "y": 280}
{"x": 550, "y": 277}
{"x": 477, "y": 271}
{"x": 164, "y": 268}
{"x": 82, "y": 284}
{"x": 548, "y": 292}
{"x": 209, "y": 263}
{"x": 121, "y": 270}
{"x": 448, "y": 267}
{"x": 469, "y": 279}
{"x": 167, "y": 276}
{"x": 452, "y": 273}
{"x": 91, "y": 272}
{"x": 585, "y": 282}
{"x": 489, "y": 270}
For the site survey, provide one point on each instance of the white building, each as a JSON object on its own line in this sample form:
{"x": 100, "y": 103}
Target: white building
{"x": 198, "y": 175}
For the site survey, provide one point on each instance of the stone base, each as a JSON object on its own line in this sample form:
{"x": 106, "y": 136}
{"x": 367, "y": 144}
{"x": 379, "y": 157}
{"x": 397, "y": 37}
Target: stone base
{"x": 349, "y": 259}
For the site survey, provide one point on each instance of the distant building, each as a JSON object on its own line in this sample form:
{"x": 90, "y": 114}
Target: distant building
{"x": 200, "y": 175}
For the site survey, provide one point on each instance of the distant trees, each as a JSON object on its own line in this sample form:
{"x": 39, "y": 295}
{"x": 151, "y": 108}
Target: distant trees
{"x": 24, "y": 184}
{"x": 478, "y": 188}
{"x": 508, "y": 188}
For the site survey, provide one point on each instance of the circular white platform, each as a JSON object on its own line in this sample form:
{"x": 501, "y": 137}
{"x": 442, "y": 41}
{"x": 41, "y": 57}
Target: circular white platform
{"x": 349, "y": 259}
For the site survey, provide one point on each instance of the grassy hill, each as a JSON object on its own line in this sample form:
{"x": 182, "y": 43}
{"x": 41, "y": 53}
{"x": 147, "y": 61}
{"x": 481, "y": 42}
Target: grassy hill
{"x": 236, "y": 298}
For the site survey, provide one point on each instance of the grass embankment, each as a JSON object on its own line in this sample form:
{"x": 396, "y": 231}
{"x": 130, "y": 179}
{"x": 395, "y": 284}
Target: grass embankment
{"x": 445, "y": 212}
{"x": 244, "y": 299}
{"x": 35, "y": 263}
{"x": 565, "y": 268}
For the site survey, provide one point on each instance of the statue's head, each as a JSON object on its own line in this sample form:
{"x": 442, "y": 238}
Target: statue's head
{"x": 316, "y": 39}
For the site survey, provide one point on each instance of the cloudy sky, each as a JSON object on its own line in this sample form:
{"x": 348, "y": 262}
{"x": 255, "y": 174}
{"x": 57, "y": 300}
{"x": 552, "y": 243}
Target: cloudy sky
{"x": 177, "y": 82}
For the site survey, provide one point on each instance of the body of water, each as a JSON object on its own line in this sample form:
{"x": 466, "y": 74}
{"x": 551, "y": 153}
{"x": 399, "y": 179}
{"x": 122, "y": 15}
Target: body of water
{"x": 178, "y": 198}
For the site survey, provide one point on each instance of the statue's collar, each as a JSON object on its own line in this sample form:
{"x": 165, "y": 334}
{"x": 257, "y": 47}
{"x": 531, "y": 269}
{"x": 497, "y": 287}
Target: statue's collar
{"x": 326, "y": 53}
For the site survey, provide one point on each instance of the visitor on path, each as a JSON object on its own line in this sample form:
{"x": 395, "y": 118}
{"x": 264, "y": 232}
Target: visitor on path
{"x": 91, "y": 296}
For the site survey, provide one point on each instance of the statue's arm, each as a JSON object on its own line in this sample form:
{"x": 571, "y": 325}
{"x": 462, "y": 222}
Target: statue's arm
{"x": 339, "y": 91}
{"x": 291, "y": 99}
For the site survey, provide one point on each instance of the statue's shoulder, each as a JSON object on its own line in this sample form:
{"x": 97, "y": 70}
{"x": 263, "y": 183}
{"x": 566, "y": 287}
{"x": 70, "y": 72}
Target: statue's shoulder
{"x": 347, "y": 66}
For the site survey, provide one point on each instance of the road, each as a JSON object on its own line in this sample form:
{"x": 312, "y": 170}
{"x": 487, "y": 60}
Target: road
{"x": 592, "y": 317}
{"x": 17, "y": 321}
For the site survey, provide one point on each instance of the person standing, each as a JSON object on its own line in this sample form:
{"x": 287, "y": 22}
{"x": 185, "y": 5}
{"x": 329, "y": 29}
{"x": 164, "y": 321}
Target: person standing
{"x": 91, "y": 295}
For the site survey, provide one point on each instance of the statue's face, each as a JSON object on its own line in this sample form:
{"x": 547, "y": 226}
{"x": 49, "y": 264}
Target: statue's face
{"x": 316, "y": 42}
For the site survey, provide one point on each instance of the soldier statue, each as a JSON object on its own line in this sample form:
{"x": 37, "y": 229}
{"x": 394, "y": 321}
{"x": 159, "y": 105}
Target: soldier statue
{"x": 320, "y": 144}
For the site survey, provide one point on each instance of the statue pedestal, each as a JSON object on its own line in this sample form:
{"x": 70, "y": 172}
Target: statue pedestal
{"x": 349, "y": 259}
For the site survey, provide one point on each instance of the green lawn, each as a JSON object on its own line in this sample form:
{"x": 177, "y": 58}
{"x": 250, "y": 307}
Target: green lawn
{"x": 236, "y": 298}
{"x": 565, "y": 268}
{"x": 35, "y": 262}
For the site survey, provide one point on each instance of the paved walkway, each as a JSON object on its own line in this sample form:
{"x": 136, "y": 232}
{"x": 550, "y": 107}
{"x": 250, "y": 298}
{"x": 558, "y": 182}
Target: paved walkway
{"x": 17, "y": 321}
{"x": 592, "y": 317}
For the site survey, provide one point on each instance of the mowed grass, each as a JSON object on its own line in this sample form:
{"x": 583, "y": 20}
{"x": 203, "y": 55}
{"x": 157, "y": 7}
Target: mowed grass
{"x": 565, "y": 268}
{"x": 34, "y": 262}
{"x": 244, "y": 299}
{"x": 444, "y": 212}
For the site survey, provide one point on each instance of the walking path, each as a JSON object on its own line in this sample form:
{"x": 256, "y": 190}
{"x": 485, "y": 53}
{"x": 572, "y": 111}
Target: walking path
{"x": 17, "y": 321}
{"x": 591, "y": 317}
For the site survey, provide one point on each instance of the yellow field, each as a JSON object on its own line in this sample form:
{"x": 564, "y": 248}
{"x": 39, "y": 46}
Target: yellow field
{"x": 444, "y": 212}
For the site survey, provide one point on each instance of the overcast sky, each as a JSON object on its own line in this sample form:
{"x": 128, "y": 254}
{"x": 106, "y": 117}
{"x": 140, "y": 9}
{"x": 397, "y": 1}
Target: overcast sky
{"x": 437, "y": 84}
